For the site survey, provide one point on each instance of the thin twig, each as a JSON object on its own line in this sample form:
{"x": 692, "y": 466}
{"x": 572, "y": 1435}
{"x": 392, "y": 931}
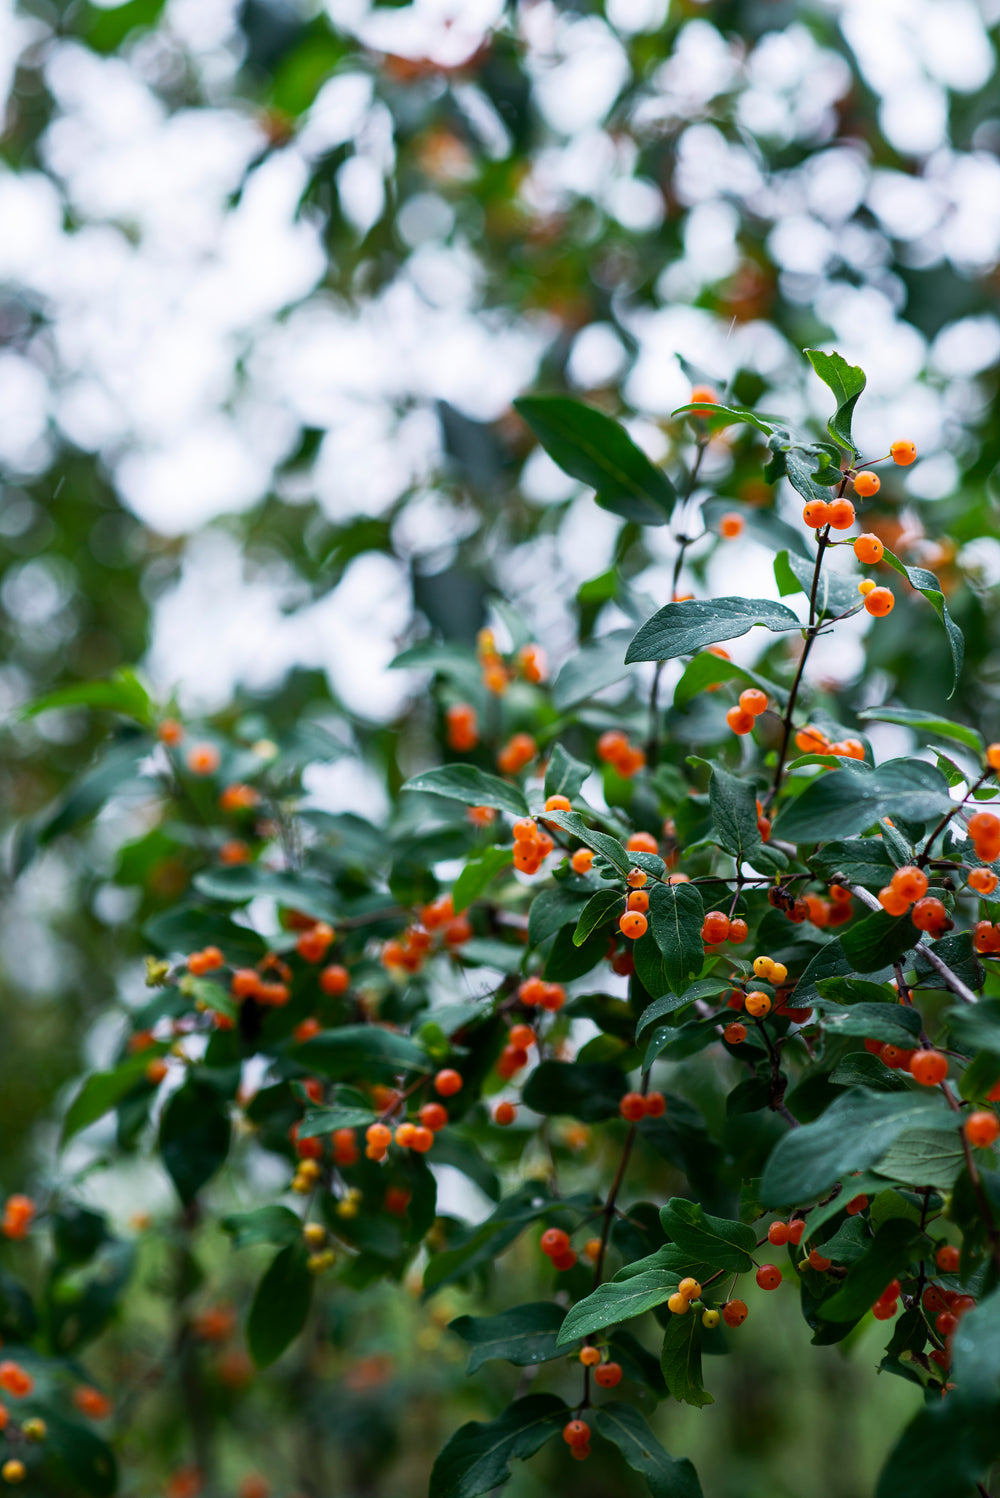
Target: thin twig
{"x": 951, "y": 980}
{"x": 925, "y": 855}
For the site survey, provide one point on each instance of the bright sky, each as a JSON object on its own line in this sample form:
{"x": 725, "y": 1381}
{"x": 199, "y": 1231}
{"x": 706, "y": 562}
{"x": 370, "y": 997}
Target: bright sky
{"x": 189, "y": 341}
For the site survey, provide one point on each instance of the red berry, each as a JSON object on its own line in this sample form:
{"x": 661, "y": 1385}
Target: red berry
{"x": 554, "y": 1241}
{"x": 768, "y": 1276}
{"x": 632, "y": 1106}
{"x": 608, "y": 1375}
{"x": 929, "y": 1068}
{"x": 777, "y": 1234}
{"x": 448, "y": 1082}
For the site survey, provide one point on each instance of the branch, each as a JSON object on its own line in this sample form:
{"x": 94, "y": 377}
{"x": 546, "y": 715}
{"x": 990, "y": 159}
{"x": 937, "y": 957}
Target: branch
{"x": 925, "y": 855}
{"x": 812, "y": 629}
{"x": 951, "y": 980}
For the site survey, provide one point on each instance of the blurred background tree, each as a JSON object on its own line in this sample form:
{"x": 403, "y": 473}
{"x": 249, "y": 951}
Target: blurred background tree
{"x": 271, "y": 273}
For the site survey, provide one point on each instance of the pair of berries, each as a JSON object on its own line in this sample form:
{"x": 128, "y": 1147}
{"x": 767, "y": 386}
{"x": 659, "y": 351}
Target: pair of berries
{"x": 888, "y": 1302}
{"x": 717, "y": 928}
{"x": 833, "y": 912}
{"x": 606, "y": 1375}
{"x": 247, "y": 983}
{"x": 576, "y": 1434}
{"x": 634, "y": 1106}
{"x": 555, "y": 1245}
{"x": 239, "y": 798}
{"x": 514, "y": 1055}
{"x": 532, "y": 846}
{"x": 907, "y": 885}
{"x": 780, "y": 1233}
{"x": 615, "y": 749}
{"x": 984, "y": 830}
{"x": 208, "y": 960}
{"x": 688, "y": 1292}
{"x": 536, "y": 992}
{"x": 752, "y": 703}
{"x": 813, "y": 740}
{"x": 518, "y": 752}
{"x": 837, "y": 513}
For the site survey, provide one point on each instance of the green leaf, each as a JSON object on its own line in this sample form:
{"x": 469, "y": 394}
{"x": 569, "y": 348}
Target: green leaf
{"x": 892, "y": 1248}
{"x": 596, "y": 665}
{"x": 75, "y": 1461}
{"x": 708, "y": 670}
{"x": 925, "y": 1157}
{"x": 476, "y": 876}
{"x": 851, "y": 800}
{"x": 926, "y": 583}
{"x": 564, "y": 775}
{"x": 671, "y": 1002}
{"x": 194, "y": 1136}
{"x": 270, "y": 1224}
{"x": 733, "y": 413}
{"x": 734, "y": 812}
{"x": 244, "y": 882}
{"x": 123, "y": 693}
{"x": 598, "y": 910}
{"x": 680, "y": 1360}
{"x": 320, "y": 1121}
{"x": 103, "y": 1091}
{"x": 943, "y": 1452}
{"x": 523, "y": 1335}
{"x": 478, "y": 1456}
{"x": 484, "y": 1243}
{"x": 617, "y": 1300}
{"x": 892, "y": 1023}
{"x": 976, "y": 1028}
{"x": 361, "y": 1049}
{"x": 878, "y": 940}
{"x": 281, "y": 1304}
{"x": 847, "y": 382}
{"x": 685, "y": 628}
{"x": 667, "y": 1476}
{"x": 551, "y": 909}
{"x": 861, "y": 860}
{"x": 608, "y": 847}
{"x": 598, "y": 451}
{"x": 112, "y": 772}
{"x": 588, "y": 1091}
{"x": 79, "y": 1307}
{"x": 930, "y": 723}
{"x": 472, "y": 786}
{"x": 719, "y": 1241}
{"x": 676, "y": 914}
{"x": 834, "y": 593}
{"x": 976, "y": 1353}
{"x": 859, "y": 1069}
{"x": 853, "y": 1134}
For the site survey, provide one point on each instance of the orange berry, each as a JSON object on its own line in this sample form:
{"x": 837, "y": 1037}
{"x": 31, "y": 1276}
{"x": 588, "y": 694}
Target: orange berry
{"x": 638, "y": 900}
{"x": 734, "y": 1312}
{"x": 768, "y": 1276}
{"x": 203, "y": 759}
{"x": 170, "y": 732}
{"x": 553, "y": 997}
{"x": 753, "y": 701}
{"x": 812, "y": 741}
{"x": 632, "y": 1106}
{"x": 633, "y": 924}
{"x": 458, "y": 931}
{"x": 18, "y": 1214}
{"x": 92, "y": 1402}
{"x": 703, "y": 395}
{"x": 15, "y": 1380}
{"x": 636, "y": 878}
{"x": 796, "y": 1229}
{"x": 738, "y": 931}
{"x": 983, "y": 881}
{"x": 608, "y": 1375}
{"x": 816, "y": 514}
{"x": 641, "y": 842}
{"x": 868, "y": 548}
{"x": 576, "y": 1433}
{"x": 903, "y": 453}
{"x": 504, "y": 1114}
{"x": 378, "y": 1135}
{"x": 757, "y": 1003}
{"x": 841, "y": 514}
{"x": 947, "y": 1259}
{"x": 206, "y": 961}
{"x": 612, "y": 745}
{"x": 422, "y": 1140}
{"x": 239, "y": 798}
{"x": 234, "y": 850}
{"x": 480, "y": 816}
{"x": 656, "y": 1105}
{"x": 522, "y": 1036}
{"x": 879, "y": 602}
{"x": 554, "y": 1242}
{"x": 818, "y": 1261}
{"x": 982, "y": 1128}
{"x": 910, "y": 882}
{"x": 462, "y": 727}
{"x": 715, "y": 928}
{"x": 592, "y": 1249}
{"x": 518, "y": 752}
{"x": 892, "y": 902}
{"x": 334, "y": 979}
{"x": 531, "y": 659}
{"x": 993, "y": 756}
{"x": 689, "y": 1288}
{"x": 448, "y": 1082}
{"x": 156, "y": 1071}
{"x": 433, "y": 1116}
{"x": 731, "y": 525}
{"x": 855, "y": 1205}
{"x": 735, "y": 1033}
{"x": 558, "y": 803}
{"x": 777, "y": 1234}
{"x": 582, "y": 860}
{"x": 312, "y": 944}
{"x": 345, "y": 1147}
{"x": 739, "y": 721}
{"x": 306, "y": 1029}
{"x": 867, "y": 483}
{"x": 928, "y": 1067}
{"x": 590, "y": 1356}
{"x": 984, "y": 826}
{"x": 930, "y": 915}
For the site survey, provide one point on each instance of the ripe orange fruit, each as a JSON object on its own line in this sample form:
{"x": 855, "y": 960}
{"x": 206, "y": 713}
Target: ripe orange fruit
{"x": 981, "y": 1129}
{"x": 868, "y": 548}
{"x": 608, "y": 1375}
{"x": 879, "y": 602}
{"x": 841, "y": 514}
{"x": 816, "y": 514}
{"x": 203, "y": 759}
{"x": 633, "y": 924}
{"x": 903, "y": 453}
{"x": 867, "y": 483}
{"x": 734, "y": 1312}
{"x": 504, "y": 1114}
{"x": 739, "y": 721}
{"x": 632, "y": 1106}
{"x": 753, "y": 701}
{"x": 641, "y": 842}
{"x": 448, "y": 1082}
{"x": 731, "y": 525}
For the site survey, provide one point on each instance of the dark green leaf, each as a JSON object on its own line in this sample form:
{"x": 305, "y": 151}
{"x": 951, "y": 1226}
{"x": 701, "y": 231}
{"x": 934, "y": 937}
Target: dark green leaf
{"x": 925, "y": 1157}
{"x": 676, "y": 914}
{"x": 887, "y": 1258}
{"x": 685, "y": 628}
{"x": 893, "y": 1023}
{"x": 719, "y": 1241}
{"x": 476, "y": 876}
{"x": 598, "y": 451}
{"x": 851, "y": 800}
{"x": 472, "y": 786}
{"x": 708, "y": 670}
{"x": 925, "y": 722}
{"x": 281, "y": 1304}
{"x": 358, "y": 1049}
{"x": 580, "y": 1090}
{"x": 667, "y": 1476}
{"x": 194, "y": 1136}
{"x": 244, "y": 882}
{"x": 680, "y": 1360}
{"x": 847, "y": 382}
{"x": 564, "y": 775}
{"x": 976, "y": 1028}
{"x": 596, "y": 665}
{"x": 75, "y": 1461}
{"x": 551, "y": 909}
{"x": 271, "y": 1224}
{"x": 599, "y": 909}
{"x": 943, "y": 1452}
{"x": 976, "y": 1353}
{"x": 617, "y": 1300}
{"x": 608, "y": 847}
{"x": 523, "y": 1335}
{"x": 478, "y": 1456}
{"x": 926, "y": 583}
{"x": 853, "y": 1134}
{"x": 734, "y": 812}
{"x": 103, "y": 1091}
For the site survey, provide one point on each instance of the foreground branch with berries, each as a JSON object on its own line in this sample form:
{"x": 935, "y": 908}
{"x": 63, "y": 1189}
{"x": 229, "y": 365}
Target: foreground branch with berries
{"x": 542, "y": 966}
